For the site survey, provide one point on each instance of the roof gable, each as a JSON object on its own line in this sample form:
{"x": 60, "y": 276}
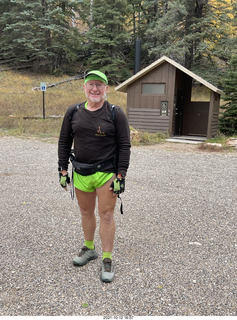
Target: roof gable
{"x": 123, "y": 86}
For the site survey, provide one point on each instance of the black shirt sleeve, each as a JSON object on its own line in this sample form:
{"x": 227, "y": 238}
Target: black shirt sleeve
{"x": 65, "y": 139}
{"x": 123, "y": 140}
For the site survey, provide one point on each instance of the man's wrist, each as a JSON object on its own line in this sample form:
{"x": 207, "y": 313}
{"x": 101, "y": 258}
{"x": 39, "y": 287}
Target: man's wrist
{"x": 121, "y": 175}
{"x": 63, "y": 172}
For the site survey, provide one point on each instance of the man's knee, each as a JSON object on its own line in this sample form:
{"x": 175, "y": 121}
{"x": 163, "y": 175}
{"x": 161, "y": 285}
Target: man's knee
{"x": 107, "y": 216}
{"x": 86, "y": 212}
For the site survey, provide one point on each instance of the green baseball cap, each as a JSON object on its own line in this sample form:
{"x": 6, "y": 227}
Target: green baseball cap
{"x": 96, "y": 75}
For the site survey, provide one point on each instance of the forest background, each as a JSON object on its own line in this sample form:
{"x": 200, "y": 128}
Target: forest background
{"x": 61, "y": 37}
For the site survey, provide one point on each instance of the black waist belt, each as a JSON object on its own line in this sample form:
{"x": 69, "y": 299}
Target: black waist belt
{"x": 85, "y": 169}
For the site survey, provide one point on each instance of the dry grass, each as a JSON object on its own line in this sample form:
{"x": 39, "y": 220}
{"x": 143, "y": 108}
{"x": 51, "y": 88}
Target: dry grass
{"x": 212, "y": 148}
{"x": 18, "y": 100}
{"x": 145, "y": 138}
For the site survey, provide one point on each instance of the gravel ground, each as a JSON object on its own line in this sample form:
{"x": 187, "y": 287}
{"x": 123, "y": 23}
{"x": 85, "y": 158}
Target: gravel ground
{"x": 175, "y": 248}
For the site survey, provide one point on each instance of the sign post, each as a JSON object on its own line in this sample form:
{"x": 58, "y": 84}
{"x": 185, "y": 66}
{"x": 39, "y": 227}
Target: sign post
{"x": 43, "y": 89}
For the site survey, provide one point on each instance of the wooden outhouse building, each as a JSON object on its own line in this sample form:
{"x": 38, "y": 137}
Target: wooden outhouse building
{"x": 159, "y": 100}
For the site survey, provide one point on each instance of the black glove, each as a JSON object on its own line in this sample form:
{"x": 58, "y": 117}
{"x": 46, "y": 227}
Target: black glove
{"x": 64, "y": 180}
{"x": 118, "y": 185}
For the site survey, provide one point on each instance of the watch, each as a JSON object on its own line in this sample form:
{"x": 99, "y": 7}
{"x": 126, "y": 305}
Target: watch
{"x": 123, "y": 175}
{"x": 61, "y": 169}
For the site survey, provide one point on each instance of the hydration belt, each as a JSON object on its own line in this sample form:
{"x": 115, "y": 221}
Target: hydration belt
{"x": 86, "y": 169}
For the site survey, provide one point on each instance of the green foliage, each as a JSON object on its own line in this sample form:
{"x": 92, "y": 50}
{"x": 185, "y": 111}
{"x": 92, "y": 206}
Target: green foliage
{"x": 228, "y": 120}
{"x": 38, "y": 33}
{"x": 85, "y": 305}
{"x": 162, "y": 34}
{"x": 196, "y": 34}
{"x": 46, "y": 35}
{"x": 220, "y": 138}
{"x": 107, "y": 37}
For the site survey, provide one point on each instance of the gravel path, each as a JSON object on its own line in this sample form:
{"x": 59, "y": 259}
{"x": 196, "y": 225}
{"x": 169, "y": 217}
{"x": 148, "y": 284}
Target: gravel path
{"x": 175, "y": 248}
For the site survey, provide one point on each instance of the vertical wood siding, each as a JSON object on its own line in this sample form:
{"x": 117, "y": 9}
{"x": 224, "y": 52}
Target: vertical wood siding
{"x": 143, "y": 110}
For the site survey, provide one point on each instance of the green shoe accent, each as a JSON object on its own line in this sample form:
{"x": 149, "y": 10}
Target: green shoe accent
{"x": 90, "y": 244}
{"x": 107, "y": 271}
{"x": 107, "y": 255}
{"x": 85, "y": 255}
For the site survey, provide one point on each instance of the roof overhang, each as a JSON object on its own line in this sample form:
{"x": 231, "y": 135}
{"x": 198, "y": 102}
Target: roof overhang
{"x": 123, "y": 87}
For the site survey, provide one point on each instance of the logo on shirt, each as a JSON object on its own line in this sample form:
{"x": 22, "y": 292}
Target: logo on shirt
{"x": 100, "y": 133}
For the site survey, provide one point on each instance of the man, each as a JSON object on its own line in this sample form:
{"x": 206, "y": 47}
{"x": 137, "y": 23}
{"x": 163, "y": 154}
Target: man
{"x": 101, "y": 139}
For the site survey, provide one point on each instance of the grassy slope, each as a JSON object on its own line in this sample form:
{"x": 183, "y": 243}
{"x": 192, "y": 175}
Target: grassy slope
{"x": 18, "y": 100}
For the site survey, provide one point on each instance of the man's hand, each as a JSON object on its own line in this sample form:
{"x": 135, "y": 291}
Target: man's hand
{"x": 118, "y": 185}
{"x": 64, "y": 179}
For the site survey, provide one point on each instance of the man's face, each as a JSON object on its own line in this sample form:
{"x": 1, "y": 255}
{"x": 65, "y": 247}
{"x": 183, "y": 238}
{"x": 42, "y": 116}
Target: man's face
{"x": 95, "y": 90}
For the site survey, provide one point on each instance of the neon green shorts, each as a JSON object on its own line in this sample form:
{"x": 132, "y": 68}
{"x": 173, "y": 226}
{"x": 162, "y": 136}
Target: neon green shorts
{"x": 91, "y": 182}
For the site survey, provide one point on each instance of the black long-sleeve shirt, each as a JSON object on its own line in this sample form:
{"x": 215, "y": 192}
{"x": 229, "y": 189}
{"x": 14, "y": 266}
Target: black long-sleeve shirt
{"x": 97, "y": 137}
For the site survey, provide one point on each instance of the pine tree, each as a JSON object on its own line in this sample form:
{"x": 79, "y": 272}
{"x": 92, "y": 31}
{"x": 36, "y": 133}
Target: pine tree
{"x": 196, "y": 34}
{"x": 165, "y": 35}
{"x": 228, "y": 120}
{"x": 17, "y": 38}
{"x": 143, "y": 14}
{"x": 38, "y": 32}
{"x": 107, "y": 38}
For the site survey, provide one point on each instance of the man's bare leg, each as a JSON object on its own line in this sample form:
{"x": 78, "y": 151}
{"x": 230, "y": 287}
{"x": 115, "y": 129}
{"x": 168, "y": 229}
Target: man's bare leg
{"x": 86, "y": 202}
{"x": 106, "y": 204}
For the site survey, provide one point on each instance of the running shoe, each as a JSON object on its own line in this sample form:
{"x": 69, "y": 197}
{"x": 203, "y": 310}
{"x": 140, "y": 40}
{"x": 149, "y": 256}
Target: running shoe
{"x": 85, "y": 255}
{"x": 107, "y": 271}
